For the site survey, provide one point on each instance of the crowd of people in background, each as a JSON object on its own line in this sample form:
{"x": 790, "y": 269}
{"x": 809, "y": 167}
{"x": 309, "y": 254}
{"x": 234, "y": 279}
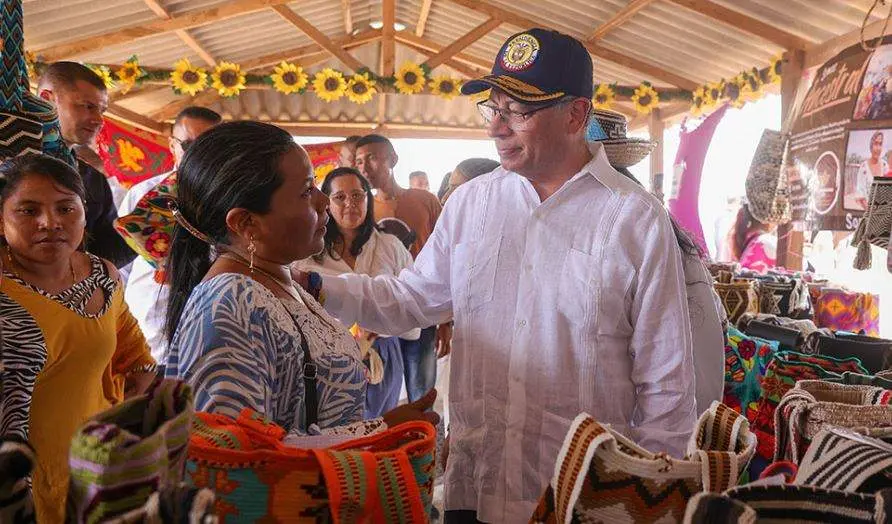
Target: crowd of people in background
{"x": 556, "y": 282}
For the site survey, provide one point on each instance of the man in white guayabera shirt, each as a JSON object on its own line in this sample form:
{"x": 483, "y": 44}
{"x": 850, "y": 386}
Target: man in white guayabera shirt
{"x": 564, "y": 281}
{"x": 144, "y": 294}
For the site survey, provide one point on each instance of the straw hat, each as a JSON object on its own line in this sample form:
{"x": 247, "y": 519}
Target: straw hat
{"x": 609, "y": 129}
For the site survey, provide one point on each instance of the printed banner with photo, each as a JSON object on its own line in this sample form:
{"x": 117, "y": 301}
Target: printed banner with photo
{"x": 841, "y": 138}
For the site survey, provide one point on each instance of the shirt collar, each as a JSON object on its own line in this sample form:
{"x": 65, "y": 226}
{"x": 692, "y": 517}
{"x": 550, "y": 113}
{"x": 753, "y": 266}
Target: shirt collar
{"x": 600, "y": 169}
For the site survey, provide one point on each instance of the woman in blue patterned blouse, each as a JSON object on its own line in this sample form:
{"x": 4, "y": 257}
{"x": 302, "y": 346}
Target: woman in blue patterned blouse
{"x": 241, "y": 333}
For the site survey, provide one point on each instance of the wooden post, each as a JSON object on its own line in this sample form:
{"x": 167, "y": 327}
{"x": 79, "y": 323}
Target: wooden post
{"x": 656, "y": 127}
{"x": 789, "y": 242}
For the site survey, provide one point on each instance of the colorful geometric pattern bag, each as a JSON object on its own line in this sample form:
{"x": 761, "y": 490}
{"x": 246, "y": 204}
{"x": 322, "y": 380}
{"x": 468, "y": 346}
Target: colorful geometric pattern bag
{"x": 126, "y": 453}
{"x": 601, "y": 476}
{"x": 148, "y": 230}
{"x": 738, "y": 297}
{"x": 842, "y": 310}
{"x": 386, "y": 477}
{"x": 783, "y": 372}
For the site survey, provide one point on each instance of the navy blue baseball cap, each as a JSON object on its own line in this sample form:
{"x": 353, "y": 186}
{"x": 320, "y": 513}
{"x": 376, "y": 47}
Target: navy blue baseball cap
{"x": 539, "y": 65}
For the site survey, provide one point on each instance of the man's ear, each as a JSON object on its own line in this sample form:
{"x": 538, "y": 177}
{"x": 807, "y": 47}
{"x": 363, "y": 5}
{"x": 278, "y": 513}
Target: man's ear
{"x": 394, "y": 158}
{"x": 47, "y": 94}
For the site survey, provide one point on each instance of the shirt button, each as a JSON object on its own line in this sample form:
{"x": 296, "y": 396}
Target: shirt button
{"x": 522, "y": 323}
{"x": 529, "y": 267}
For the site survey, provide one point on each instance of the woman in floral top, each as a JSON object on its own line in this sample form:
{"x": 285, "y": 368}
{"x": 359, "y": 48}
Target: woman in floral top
{"x": 241, "y": 333}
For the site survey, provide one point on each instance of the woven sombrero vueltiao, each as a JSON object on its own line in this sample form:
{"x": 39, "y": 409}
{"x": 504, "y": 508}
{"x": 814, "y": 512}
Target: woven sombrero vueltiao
{"x": 609, "y": 129}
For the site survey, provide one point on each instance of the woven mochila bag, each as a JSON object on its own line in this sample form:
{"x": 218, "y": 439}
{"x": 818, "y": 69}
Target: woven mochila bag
{"x": 383, "y": 478}
{"x": 739, "y": 297}
{"x": 814, "y": 405}
{"x": 602, "y": 476}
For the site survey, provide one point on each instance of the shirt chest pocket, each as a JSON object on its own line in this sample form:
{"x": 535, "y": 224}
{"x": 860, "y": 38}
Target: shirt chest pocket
{"x": 592, "y": 301}
{"x": 474, "y": 273}
{"x": 577, "y": 289}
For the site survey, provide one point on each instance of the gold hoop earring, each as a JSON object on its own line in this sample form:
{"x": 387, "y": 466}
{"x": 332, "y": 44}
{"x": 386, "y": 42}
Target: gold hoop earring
{"x": 252, "y": 248}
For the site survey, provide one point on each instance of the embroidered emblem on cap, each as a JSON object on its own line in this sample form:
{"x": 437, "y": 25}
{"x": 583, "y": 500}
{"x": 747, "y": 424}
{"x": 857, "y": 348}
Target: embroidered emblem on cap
{"x": 520, "y": 53}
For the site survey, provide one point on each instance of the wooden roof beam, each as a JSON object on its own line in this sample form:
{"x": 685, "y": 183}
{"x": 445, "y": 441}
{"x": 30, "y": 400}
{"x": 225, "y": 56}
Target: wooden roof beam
{"x": 388, "y": 46}
{"x": 154, "y": 28}
{"x": 183, "y": 34}
{"x": 348, "y": 16}
{"x": 422, "y": 17}
{"x": 620, "y": 18}
{"x": 649, "y": 69}
{"x": 744, "y": 23}
{"x": 169, "y": 111}
{"x": 317, "y": 36}
{"x": 468, "y": 71}
{"x": 136, "y": 119}
{"x": 311, "y": 50}
{"x": 428, "y": 47}
{"x": 462, "y": 43}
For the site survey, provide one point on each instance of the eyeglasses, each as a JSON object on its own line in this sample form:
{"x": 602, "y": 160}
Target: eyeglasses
{"x": 516, "y": 120}
{"x": 340, "y": 199}
{"x": 184, "y": 144}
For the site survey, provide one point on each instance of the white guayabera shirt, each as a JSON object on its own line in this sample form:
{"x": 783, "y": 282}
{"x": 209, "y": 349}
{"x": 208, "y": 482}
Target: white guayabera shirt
{"x": 576, "y": 304}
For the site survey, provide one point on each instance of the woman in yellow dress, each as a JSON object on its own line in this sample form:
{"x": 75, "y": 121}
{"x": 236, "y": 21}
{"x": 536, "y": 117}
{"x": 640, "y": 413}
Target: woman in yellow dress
{"x": 70, "y": 346}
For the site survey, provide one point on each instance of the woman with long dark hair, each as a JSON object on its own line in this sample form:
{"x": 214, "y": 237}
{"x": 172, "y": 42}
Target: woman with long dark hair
{"x": 71, "y": 348}
{"x": 354, "y": 244}
{"x": 241, "y": 334}
{"x": 753, "y": 243}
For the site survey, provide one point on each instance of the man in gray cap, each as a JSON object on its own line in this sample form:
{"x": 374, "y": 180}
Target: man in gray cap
{"x": 565, "y": 284}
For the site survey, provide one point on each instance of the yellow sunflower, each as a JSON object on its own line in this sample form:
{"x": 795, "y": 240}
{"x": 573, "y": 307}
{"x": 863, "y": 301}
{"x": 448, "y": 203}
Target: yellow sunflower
{"x": 734, "y": 90}
{"x": 187, "y": 78}
{"x": 753, "y": 85}
{"x": 228, "y": 79}
{"x": 128, "y": 74}
{"x": 645, "y": 98}
{"x": 713, "y": 94}
{"x": 445, "y": 87}
{"x": 104, "y": 74}
{"x": 31, "y": 63}
{"x": 774, "y": 70}
{"x": 410, "y": 79}
{"x": 604, "y": 97}
{"x": 289, "y": 78}
{"x": 361, "y": 88}
{"x": 329, "y": 84}
{"x": 698, "y": 97}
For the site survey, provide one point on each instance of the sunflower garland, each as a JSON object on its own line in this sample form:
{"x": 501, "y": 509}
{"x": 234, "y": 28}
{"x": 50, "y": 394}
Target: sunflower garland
{"x": 104, "y": 74}
{"x": 228, "y": 79}
{"x": 188, "y": 79}
{"x": 445, "y": 87}
{"x": 361, "y": 89}
{"x": 713, "y": 94}
{"x": 734, "y": 90}
{"x": 289, "y": 78}
{"x": 645, "y": 98}
{"x": 698, "y": 100}
{"x": 774, "y": 71}
{"x": 753, "y": 84}
{"x": 410, "y": 79}
{"x": 31, "y": 64}
{"x": 329, "y": 84}
{"x": 129, "y": 73}
{"x": 604, "y": 97}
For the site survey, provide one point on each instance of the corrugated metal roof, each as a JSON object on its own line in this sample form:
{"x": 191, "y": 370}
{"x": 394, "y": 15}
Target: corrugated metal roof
{"x": 664, "y": 34}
